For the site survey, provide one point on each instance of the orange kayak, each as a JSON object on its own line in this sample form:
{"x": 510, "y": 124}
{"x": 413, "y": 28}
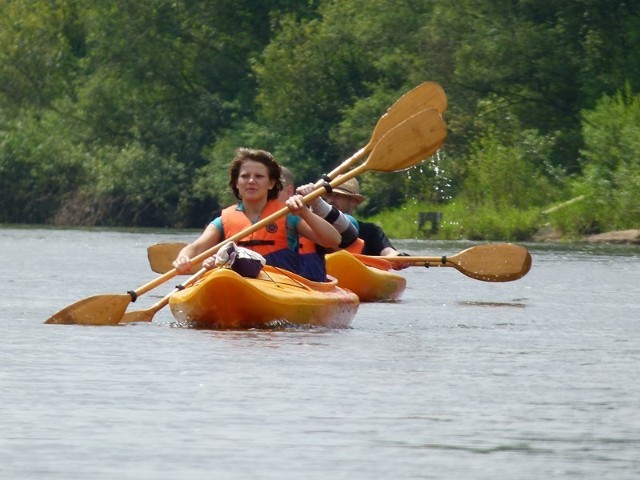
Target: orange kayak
{"x": 368, "y": 277}
{"x": 224, "y": 300}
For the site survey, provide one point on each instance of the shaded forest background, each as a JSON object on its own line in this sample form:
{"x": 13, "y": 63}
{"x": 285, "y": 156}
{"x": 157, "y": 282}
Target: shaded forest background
{"x": 127, "y": 112}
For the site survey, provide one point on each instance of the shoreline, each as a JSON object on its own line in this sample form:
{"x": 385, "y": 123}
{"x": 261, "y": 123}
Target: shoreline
{"x": 545, "y": 234}
{"x": 619, "y": 236}
{"x": 631, "y": 237}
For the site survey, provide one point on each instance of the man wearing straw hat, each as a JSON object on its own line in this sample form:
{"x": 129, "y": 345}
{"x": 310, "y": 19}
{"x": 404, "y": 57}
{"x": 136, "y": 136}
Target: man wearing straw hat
{"x": 346, "y": 197}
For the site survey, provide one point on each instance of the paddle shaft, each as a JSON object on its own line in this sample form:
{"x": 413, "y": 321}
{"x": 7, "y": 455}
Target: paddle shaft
{"x": 432, "y": 261}
{"x": 156, "y": 307}
{"x": 395, "y": 142}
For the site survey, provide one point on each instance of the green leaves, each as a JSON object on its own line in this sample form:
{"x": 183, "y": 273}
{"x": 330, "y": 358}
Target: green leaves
{"x": 157, "y": 95}
{"x": 612, "y": 162}
{"x": 38, "y": 168}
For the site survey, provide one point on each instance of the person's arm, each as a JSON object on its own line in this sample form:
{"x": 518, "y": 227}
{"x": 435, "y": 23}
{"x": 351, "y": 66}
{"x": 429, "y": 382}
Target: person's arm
{"x": 377, "y": 243}
{"x": 210, "y": 236}
{"x": 348, "y": 231}
{"x": 311, "y": 226}
{"x": 389, "y": 252}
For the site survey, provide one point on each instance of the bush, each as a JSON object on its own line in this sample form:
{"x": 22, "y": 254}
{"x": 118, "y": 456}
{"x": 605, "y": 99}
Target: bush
{"x": 611, "y": 179}
{"x": 506, "y": 184}
{"x": 610, "y": 183}
{"x": 39, "y": 167}
{"x": 130, "y": 186}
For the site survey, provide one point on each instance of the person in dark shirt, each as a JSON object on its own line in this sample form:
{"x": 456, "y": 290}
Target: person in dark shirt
{"x": 346, "y": 198}
{"x": 376, "y": 241}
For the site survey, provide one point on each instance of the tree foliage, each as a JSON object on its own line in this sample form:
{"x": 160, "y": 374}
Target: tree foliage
{"x": 611, "y": 157}
{"x": 128, "y": 112}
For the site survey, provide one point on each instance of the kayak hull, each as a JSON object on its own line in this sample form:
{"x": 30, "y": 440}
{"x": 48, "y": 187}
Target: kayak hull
{"x": 369, "y": 278}
{"x": 224, "y": 300}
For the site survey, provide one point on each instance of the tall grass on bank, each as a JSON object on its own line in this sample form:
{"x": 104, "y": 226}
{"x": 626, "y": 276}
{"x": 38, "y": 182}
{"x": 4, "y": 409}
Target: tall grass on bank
{"x": 459, "y": 222}
{"x": 507, "y": 182}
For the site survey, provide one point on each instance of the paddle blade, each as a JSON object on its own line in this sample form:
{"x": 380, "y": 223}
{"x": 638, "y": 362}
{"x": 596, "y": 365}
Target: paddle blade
{"x": 139, "y": 316}
{"x": 423, "y": 97}
{"x": 162, "y": 255}
{"x": 407, "y": 144}
{"x": 493, "y": 262}
{"x": 96, "y": 310}
{"x": 499, "y": 262}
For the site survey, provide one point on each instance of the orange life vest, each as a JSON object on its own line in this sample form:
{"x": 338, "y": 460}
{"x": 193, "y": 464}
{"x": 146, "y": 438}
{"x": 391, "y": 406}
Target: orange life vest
{"x": 271, "y": 241}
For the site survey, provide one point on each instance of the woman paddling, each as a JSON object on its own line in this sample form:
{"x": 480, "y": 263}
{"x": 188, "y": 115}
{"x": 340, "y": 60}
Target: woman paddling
{"x": 254, "y": 177}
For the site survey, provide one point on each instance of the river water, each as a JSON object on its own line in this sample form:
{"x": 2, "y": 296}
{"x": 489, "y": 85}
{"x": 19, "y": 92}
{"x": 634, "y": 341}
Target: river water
{"x": 461, "y": 379}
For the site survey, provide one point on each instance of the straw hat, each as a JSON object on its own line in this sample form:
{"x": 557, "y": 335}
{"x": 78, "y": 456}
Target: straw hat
{"x": 350, "y": 188}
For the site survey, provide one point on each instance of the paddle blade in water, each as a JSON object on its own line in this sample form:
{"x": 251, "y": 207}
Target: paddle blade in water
{"x": 138, "y": 316}
{"x": 97, "y": 310}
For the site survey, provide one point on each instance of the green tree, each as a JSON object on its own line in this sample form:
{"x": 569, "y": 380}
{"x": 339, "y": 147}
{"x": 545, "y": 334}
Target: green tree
{"x": 39, "y": 44}
{"x": 124, "y": 189}
{"x": 325, "y": 82}
{"x": 611, "y": 180}
{"x": 39, "y": 169}
{"x": 137, "y": 92}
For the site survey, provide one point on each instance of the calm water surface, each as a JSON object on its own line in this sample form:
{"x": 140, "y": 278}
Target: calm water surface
{"x": 462, "y": 379}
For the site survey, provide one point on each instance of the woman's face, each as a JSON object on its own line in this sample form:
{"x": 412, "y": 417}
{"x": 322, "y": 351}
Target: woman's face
{"x": 253, "y": 181}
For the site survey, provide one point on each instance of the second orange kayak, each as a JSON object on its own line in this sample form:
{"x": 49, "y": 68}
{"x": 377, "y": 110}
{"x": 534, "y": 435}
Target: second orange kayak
{"x": 369, "y": 278}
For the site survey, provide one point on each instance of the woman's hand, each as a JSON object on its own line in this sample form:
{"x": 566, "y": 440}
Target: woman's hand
{"x": 209, "y": 263}
{"x": 296, "y": 205}
{"x": 306, "y": 189}
{"x": 182, "y": 264}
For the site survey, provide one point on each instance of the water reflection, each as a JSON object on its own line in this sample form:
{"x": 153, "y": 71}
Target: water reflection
{"x": 493, "y": 304}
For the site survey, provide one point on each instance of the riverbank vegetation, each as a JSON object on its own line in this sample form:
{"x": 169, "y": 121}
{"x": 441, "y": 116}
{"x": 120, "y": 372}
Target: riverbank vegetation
{"x": 128, "y": 113}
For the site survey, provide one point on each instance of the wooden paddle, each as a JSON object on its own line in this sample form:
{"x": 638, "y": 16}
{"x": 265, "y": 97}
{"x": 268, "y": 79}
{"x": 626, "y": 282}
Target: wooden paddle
{"x": 147, "y": 314}
{"x": 162, "y": 255}
{"x": 497, "y": 262}
{"x": 423, "y": 97}
{"x": 491, "y": 262}
{"x": 403, "y": 146}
